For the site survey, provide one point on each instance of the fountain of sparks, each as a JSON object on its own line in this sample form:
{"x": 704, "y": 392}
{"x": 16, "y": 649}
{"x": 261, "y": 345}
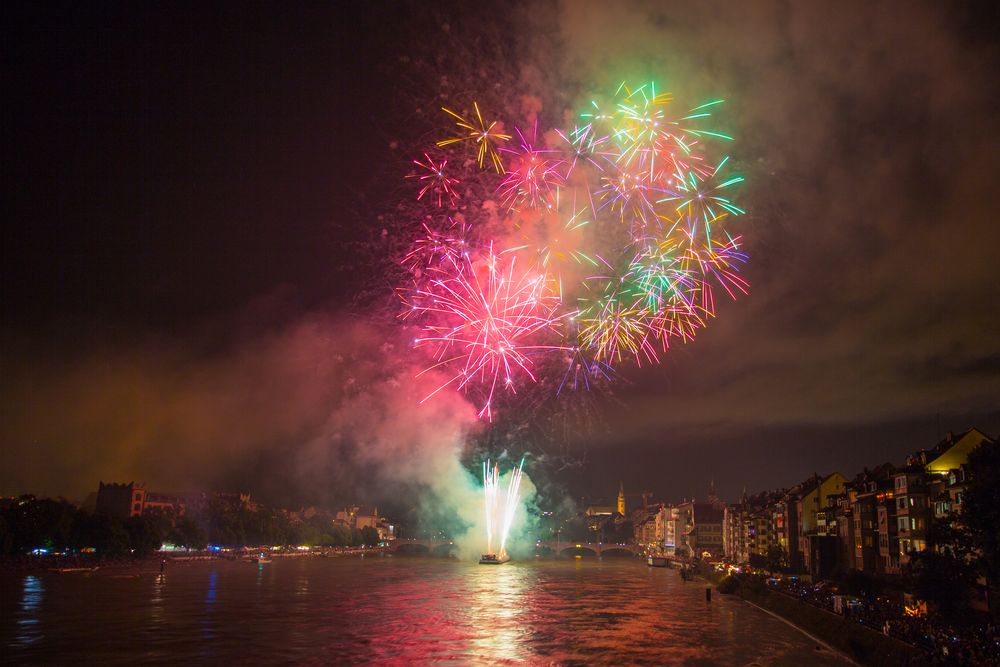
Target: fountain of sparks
{"x": 499, "y": 511}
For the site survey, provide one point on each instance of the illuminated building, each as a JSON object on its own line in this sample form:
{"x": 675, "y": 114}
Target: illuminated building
{"x": 888, "y": 533}
{"x": 913, "y": 512}
{"x": 812, "y": 496}
{"x": 357, "y": 517}
{"x": 949, "y": 454}
{"x": 702, "y": 528}
{"x": 127, "y": 500}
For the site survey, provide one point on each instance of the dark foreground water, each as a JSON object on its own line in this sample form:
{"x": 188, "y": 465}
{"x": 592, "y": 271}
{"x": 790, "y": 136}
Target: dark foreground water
{"x": 389, "y": 610}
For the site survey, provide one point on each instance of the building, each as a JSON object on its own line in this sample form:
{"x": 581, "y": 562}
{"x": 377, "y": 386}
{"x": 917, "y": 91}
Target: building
{"x": 645, "y": 529}
{"x": 621, "y": 498}
{"x": 888, "y": 533}
{"x": 871, "y": 523}
{"x": 358, "y": 517}
{"x": 733, "y": 535}
{"x": 120, "y": 500}
{"x": 599, "y": 510}
{"x": 913, "y": 512}
{"x": 864, "y": 509}
{"x": 702, "y": 531}
{"x": 845, "y": 529}
{"x": 127, "y": 500}
{"x": 949, "y": 454}
{"x": 748, "y": 526}
{"x": 812, "y": 504}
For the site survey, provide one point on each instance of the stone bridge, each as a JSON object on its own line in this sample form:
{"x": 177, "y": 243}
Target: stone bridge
{"x": 561, "y": 549}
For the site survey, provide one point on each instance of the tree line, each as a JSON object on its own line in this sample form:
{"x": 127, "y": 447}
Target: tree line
{"x": 45, "y": 525}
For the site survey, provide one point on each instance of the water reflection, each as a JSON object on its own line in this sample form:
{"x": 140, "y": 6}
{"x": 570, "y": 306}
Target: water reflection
{"x": 156, "y": 599}
{"x": 395, "y": 611}
{"x": 207, "y": 619}
{"x": 500, "y": 613}
{"x": 28, "y": 625}
{"x": 210, "y": 594}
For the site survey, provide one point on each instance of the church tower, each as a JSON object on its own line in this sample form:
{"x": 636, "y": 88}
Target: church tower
{"x": 621, "y": 498}
{"x": 713, "y": 497}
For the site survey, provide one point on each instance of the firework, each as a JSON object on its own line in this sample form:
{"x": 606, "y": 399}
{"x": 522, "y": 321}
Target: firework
{"x": 533, "y": 175}
{"x": 433, "y": 179}
{"x": 699, "y": 202}
{"x": 484, "y": 135}
{"x": 439, "y": 246}
{"x": 485, "y": 320}
{"x": 604, "y": 243}
{"x": 584, "y": 147}
{"x": 500, "y": 511}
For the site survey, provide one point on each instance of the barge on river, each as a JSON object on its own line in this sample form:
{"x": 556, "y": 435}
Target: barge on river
{"x": 494, "y": 559}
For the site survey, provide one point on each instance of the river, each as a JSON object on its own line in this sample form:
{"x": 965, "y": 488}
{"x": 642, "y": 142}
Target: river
{"x": 401, "y": 610}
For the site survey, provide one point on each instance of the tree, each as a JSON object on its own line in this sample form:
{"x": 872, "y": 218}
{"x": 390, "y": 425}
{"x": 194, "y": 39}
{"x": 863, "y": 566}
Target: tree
{"x": 146, "y": 533}
{"x": 775, "y": 558}
{"x": 369, "y": 536}
{"x": 341, "y": 535}
{"x": 38, "y": 524}
{"x": 943, "y": 581}
{"x": 981, "y": 515}
{"x": 107, "y": 535}
{"x": 189, "y": 534}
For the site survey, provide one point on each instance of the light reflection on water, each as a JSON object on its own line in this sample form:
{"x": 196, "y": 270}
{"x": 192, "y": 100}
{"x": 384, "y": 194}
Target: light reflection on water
{"x": 32, "y": 594}
{"x": 401, "y": 610}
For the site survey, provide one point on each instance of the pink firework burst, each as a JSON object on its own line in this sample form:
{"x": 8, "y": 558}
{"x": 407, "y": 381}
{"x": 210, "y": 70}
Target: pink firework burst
{"x": 532, "y": 175}
{"x": 434, "y": 180}
{"x": 485, "y": 321}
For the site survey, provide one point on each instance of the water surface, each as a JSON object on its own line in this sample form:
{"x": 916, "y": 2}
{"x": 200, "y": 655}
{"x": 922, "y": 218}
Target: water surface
{"x": 390, "y": 610}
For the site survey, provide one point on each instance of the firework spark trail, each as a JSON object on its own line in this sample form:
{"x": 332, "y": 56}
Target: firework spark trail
{"x": 490, "y": 484}
{"x": 510, "y": 507}
{"x": 482, "y": 134}
{"x": 500, "y": 517}
{"x": 486, "y": 327}
{"x": 435, "y": 180}
{"x": 532, "y": 176}
{"x": 651, "y": 210}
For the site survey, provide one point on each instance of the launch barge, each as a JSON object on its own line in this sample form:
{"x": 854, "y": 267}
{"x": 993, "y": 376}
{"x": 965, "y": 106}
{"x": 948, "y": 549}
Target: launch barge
{"x": 494, "y": 559}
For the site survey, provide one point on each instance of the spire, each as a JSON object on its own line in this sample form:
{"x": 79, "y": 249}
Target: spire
{"x": 621, "y": 498}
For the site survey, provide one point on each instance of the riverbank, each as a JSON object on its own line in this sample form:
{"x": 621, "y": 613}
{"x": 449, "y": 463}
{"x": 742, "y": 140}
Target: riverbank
{"x": 859, "y": 643}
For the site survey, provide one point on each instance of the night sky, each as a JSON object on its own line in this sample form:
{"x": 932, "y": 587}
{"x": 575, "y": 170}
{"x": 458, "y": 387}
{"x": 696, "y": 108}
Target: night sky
{"x": 186, "y": 190}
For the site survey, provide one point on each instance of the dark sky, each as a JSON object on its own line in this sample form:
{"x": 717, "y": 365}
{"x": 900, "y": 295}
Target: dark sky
{"x": 184, "y": 190}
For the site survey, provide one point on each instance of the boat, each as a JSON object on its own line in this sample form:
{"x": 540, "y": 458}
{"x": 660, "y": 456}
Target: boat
{"x": 657, "y": 561}
{"x": 494, "y": 559}
{"x": 262, "y": 559}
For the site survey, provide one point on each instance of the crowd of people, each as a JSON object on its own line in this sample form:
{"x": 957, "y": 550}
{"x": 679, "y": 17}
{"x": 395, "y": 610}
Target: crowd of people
{"x": 967, "y": 645}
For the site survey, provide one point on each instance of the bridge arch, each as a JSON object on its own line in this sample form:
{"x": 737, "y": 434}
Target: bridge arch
{"x": 445, "y": 549}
